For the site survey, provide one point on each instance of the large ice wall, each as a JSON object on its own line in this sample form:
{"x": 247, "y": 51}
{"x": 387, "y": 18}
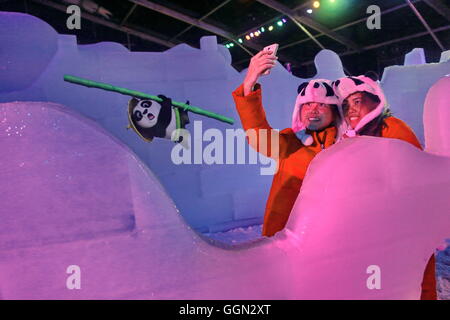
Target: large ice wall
{"x": 203, "y": 76}
{"x": 73, "y": 195}
{"x": 415, "y": 57}
{"x": 406, "y": 86}
{"x": 25, "y": 54}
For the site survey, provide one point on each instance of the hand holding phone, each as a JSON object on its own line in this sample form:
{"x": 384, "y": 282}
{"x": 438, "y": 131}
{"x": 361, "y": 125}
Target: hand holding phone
{"x": 260, "y": 64}
{"x": 273, "y": 48}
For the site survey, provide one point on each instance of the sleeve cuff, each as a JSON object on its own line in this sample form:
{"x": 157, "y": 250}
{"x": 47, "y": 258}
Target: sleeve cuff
{"x": 250, "y": 108}
{"x": 239, "y": 92}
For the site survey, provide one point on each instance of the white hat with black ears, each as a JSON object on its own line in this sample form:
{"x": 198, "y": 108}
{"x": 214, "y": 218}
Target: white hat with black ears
{"x": 346, "y": 86}
{"x": 317, "y": 90}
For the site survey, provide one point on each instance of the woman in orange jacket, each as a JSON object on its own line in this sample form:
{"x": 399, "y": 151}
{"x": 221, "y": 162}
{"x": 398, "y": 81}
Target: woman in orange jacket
{"x": 364, "y": 110}
{"x": 313, "y": 129}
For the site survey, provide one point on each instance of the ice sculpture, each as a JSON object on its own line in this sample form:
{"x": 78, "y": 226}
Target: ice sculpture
{"x": 25, "y": 54}
{"x": 203, "y": 76}
{"x": 371, "y": 202}
{"x": 436, "y": 118}
{"x": 405, "y": 88}
{"x": 328, "y": 63}
{"x": 445, "y": 56}
{"x": 414, "y": 57}
{"x": 74, "y": 196}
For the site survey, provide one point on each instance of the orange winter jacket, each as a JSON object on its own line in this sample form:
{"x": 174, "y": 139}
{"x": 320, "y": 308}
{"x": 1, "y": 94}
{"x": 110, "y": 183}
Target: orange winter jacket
{"x": 397, "y": 129}
{"x": 292, "y": 157}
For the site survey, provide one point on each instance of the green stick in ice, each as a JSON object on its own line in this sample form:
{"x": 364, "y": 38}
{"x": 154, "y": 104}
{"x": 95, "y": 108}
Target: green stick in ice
{"x": 137, "y": 94}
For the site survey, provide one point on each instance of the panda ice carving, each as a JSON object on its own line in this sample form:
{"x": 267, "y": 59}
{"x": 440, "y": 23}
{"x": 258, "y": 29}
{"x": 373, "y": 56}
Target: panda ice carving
{"x": 151, "y": 119}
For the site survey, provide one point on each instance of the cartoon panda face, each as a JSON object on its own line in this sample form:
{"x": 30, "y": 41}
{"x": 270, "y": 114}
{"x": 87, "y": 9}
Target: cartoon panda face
{"x": 145, "y": 113}
{"x": 323, "y": 87}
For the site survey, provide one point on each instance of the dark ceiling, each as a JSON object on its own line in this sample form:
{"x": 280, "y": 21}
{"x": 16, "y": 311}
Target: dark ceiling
{"x": 340, "y": 26}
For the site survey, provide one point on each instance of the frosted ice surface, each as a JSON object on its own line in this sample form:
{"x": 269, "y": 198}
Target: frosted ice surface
{"x": 436, "y": 118}
{"x": 405, "y": 88}
{"x": 415, "y": 56}
{"x": 367, "y": 201}
{"x": 445, "y": 56}
{"x": 77, "y": 196}
{"x": 24, "y": 55}
{"x": 328, "y": 65}
{"x": 34, "y": 60}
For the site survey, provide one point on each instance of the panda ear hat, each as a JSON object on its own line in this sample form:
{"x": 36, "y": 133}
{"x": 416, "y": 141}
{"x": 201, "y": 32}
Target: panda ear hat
{"x": 346, "y": 86}
{"x": 317, "y": 90}
{"x": 131, "y": 104}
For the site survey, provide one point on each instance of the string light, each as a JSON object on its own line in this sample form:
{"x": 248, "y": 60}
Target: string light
{"x": 316, "y": 4}
{"x": 309, "y": 11}
{"x": 257, "y": 33}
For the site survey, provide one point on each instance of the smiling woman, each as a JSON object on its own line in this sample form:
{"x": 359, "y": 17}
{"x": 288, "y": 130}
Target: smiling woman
{"x": 357, "y": 105}
{"x": 312, "y": 130}
{"x": 317, "y": 116}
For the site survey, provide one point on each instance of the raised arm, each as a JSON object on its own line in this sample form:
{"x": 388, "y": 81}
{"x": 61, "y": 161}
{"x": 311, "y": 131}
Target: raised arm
{"x": 259, "y": 63}
{"x": 248, "y": 99}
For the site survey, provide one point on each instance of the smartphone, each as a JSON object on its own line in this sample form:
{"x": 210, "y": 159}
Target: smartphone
{"x": 274, "y": 49}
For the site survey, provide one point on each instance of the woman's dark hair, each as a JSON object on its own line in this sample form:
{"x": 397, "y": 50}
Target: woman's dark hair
{"x": 372, "y": 75}
{"x": 372, "y": 97}
{"x": 374, "y": 127}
